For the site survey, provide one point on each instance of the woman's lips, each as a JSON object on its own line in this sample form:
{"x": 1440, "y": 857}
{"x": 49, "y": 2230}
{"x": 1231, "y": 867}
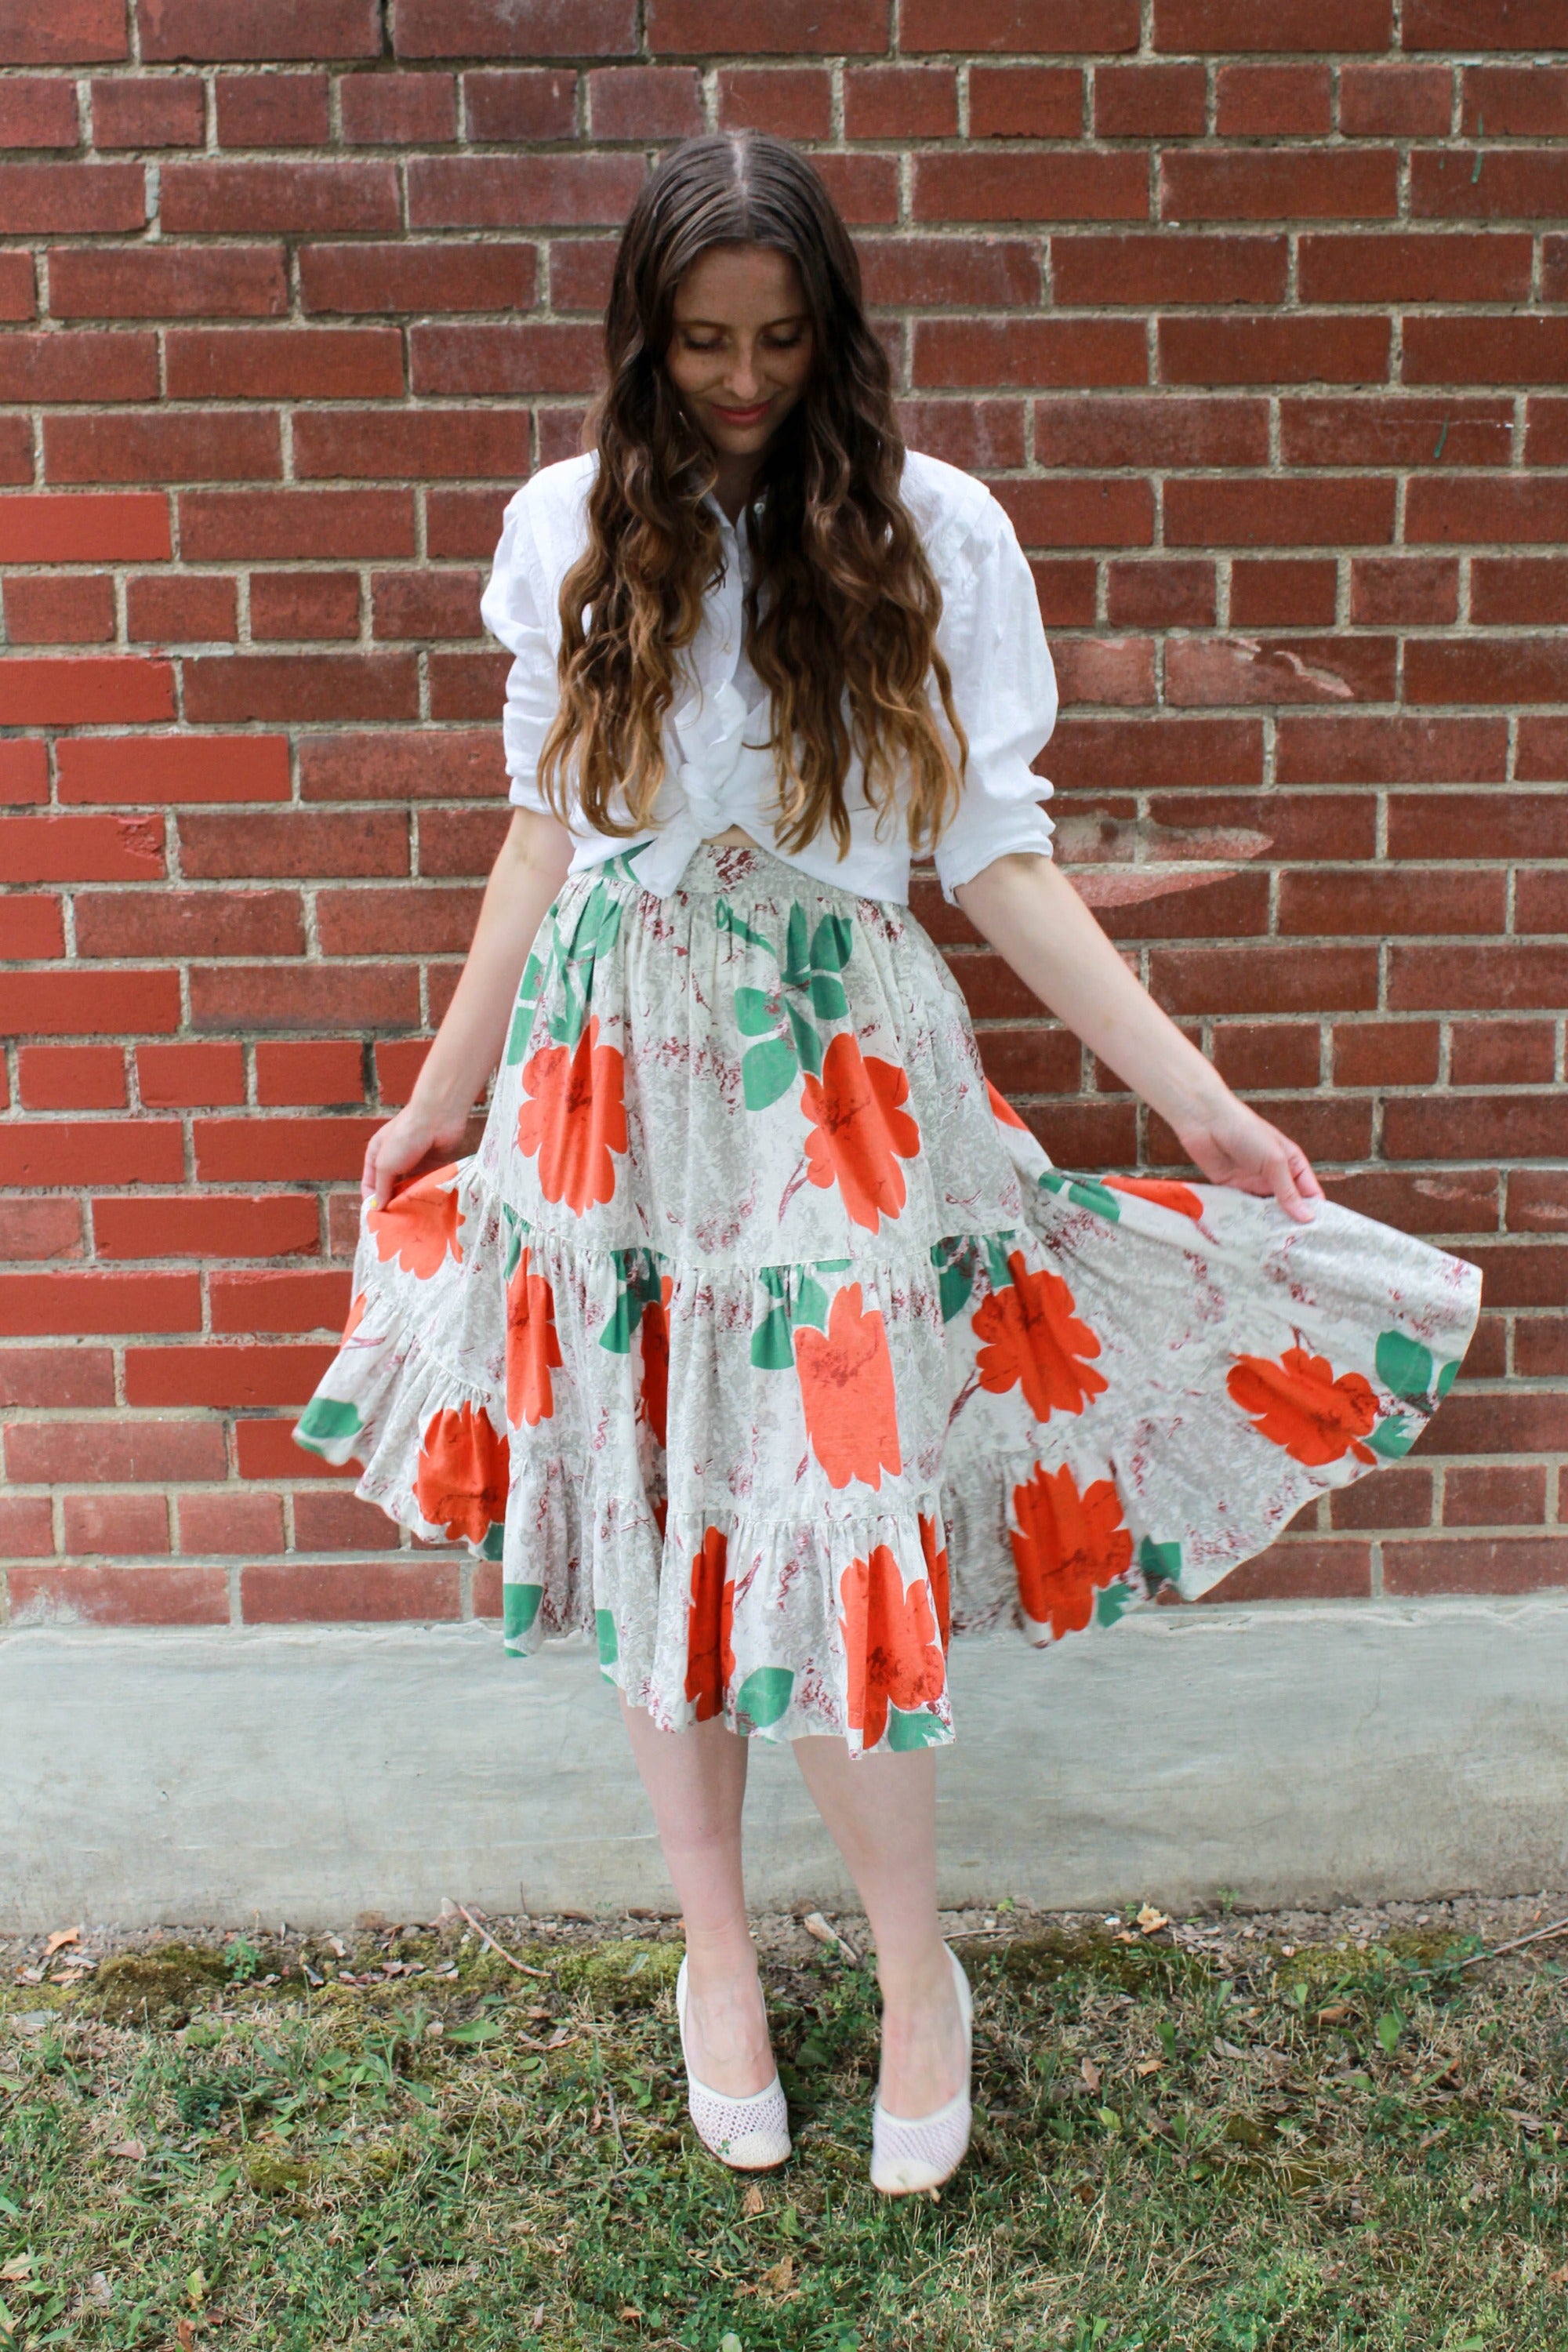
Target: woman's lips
{"x": 743, "y": 416}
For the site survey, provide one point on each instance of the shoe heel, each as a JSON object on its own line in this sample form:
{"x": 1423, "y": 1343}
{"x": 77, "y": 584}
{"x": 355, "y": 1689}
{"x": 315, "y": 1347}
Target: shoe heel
{"x": 749, "y": 2135}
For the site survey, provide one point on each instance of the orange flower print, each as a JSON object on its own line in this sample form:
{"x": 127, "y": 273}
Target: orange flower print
{"x": 709, "y": 1660}
{"x": 891, "y": 1643}
{"x": 1033, "y": 1339}
{"x": 419, "y": 1225}
{"x": 856, "y": 1129}
{"x": 532, "y": 1348}
{"x": 846, "y": 1392}
{"x": 656, "y": 1359}
{"x": 356, "y": 1315}
{"x": 1298, "y": 1404}
{"x": 1005, "y": 1110}
{"x": 1163, "y": 1189}
{"x": 937, "y": 1578}
{"x": 1066, "y": 1546}
{"x": 577, "y": 1119}
{"x": 463, "y": 1473}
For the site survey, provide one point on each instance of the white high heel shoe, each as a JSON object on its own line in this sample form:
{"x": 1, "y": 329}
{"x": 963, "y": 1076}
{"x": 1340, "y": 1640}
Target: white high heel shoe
{"x": 908, "y": 2155}
{"x": 750, "y": 2134}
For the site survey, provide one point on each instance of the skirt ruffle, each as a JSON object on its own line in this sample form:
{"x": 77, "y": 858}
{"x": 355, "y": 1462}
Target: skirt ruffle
{"x": 762, "y": 1341}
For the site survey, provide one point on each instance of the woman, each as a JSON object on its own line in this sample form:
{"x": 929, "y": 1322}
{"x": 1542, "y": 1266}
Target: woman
{"x": 761, "y": 1335}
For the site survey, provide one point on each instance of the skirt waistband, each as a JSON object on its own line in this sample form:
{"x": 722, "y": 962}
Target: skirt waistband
{"x": 716, "y": 866}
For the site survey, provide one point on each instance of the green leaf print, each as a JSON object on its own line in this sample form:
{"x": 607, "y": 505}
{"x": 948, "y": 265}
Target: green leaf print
{"x": 519, "y": 1607}
{"x": 609, "y": 1646}
{"x": 1111, "y": 1603}
{"x": 773, "y": 1342}
{"x": 996, "y": 1264}
{"x": 1404, "y": 1365}
{"x": 764, "y": 1695}
{"x": 726, "y": 920}
{"x": 528, "y": 996}
{"x": 494, "y": 1543}
{"x": 828, "y": 1001}
{"x": 1392, "y": 1437}
{"x": 757, "y": 1012}
{"x": 1161, "y": 1562}
{"x": 325, "y": 1420}
{"x": 638, "y": 1285}
{"x": 796, "y": 967}
{"x": 1084, "y": 1192}
{"x": 768, "y": 1071}
{"x": 513, "y": 1240}
{"x": 956, "y": 1261}
{"x": 807, "y": 1044}
{"x": 917, "y": 1729}
{"x": 810, "y": 968}
{"x": 831, "y": 943}
{"x": 593, "y": 934}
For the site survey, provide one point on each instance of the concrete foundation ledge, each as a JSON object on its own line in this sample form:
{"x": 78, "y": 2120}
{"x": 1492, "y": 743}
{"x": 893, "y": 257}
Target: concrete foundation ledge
{"x": 1308, "y": 1753}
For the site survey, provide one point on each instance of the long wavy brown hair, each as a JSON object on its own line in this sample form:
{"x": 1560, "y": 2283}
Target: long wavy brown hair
{"x": 841, "y": 617}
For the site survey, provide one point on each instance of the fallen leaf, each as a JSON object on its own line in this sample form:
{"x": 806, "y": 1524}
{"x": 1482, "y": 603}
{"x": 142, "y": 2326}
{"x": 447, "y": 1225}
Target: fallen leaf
{"x": 1148, "y": 2065}
{"x": 19, "y": 2267}
{"x": 781, "y": 2275}
{"x": 1335, "y": 2014}
{"x": 60, "y": 1938}
{"x": 629, "y": 2311}
{"x": 187, "y": 2335}
{"x": 815, "y": 1925}
{"x": 753, "y": 2201}
{"x": 1224, "y": 2049}
{"x": 134, "y": 2149}
{"x": 1090, "y": 2074}
{"x": 1150, "y": 1920}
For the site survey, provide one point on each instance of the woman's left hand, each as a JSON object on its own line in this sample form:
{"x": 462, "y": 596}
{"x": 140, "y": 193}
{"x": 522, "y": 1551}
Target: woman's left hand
{"x": 1233, "y": 1146}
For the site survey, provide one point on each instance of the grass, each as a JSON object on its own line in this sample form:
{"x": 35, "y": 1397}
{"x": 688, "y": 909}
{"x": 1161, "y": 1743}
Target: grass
{"x": 1215, "y": 2151}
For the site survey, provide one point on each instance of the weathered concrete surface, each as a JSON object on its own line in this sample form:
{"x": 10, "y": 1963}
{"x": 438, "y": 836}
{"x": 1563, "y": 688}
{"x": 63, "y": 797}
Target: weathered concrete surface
{"x": 1306, "y": 1753}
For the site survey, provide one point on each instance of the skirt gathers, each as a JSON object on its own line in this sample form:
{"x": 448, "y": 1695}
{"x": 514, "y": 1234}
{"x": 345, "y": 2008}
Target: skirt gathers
{"x": 762, "y": 1340}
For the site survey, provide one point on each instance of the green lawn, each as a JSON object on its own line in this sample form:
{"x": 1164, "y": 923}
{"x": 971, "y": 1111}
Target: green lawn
{"x": 1175, "y": 2148}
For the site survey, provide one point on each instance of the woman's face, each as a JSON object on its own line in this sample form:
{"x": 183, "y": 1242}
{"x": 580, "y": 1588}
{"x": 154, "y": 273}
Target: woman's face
{"x": 741, "y": 348}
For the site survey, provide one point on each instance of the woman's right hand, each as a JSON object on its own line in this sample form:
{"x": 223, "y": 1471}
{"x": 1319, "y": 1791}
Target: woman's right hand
{"x": 406, "y": 1140}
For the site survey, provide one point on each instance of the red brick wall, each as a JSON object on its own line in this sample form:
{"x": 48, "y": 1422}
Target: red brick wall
{"x": 1252, "y": 314}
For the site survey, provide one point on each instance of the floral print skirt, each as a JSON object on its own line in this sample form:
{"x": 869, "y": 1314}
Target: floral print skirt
{"x": 762, "y": 1341}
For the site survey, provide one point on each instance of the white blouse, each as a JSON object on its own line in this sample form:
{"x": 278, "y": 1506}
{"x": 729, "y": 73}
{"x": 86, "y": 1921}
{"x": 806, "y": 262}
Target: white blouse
{"x": 721, "y": 771}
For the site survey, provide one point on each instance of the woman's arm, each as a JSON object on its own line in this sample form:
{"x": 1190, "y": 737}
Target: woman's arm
{"x": 523, "y": 882}
{"x": 1029, "y": 910}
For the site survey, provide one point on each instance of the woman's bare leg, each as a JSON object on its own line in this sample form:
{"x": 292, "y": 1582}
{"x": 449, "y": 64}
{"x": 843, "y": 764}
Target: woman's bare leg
{"x": 696, "y": 1783}
{"x": 881, "y": 1813}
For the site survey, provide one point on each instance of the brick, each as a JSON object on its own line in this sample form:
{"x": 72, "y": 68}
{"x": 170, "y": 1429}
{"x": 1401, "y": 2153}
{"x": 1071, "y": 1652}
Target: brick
{"x": 1203, "y": 671}
{"x": 1376, "y": 902}
{"x": 119, "y": 1451}
{"x": 1150, "y": 101}
{"x": 228, "y": 1521}
{"x": 1546, "y": 433}
{"x": 256, "y": 31}
{"x": 256, "y": 526}
{"x": 902, "y": 102}
{"x": 56, "y": 1377}
{"x": 1299, "y": 1570}
{"x": 304, "y": 604}
{"x": 1265, "y": 978}
{"x": 105, "y": 1595}
{"x": 488, "y": 28}
{"x": 81, "y": 849}
{"x": 1543, "y": 750}
{"x": 359, "y": 278}
{"x": 174, "y": 1078}
{"x": 1274, "y": 350}
{"x": 791, "y": 101}
{"x": 398, "y": 110}
{"x": 1385, "y": 1053}
{"x": 175, "y": 281}
{"x": 467, "y": 686}
{"x": 1514, "y": 184}
{"x": 272, "y": 109}
{"x": 986, "y": 352}
{"x": 1490, "y": 350}
{"x": 1089, "y": 28}
{"x": 188, "y": 609}
{"x": 59, "y": 612}
{"x": 234, "y": 1376}
{"x": 72, "y": 1077}
{"x": 291, "y": 199}
{"x": 162, "y": 110}
{"x": 1504, "y": 1495}
{"x": 1520, "y": 588}
{"x": 1515, "y": 101}
{"x": 1206, "y": 25}
{"x": 285, "y": 1592}
{"x": 265, "y": 1449}
{"x": 163, "y": 768}
{"x": 1505, "y": 975}
{"x": 252, "y": 998}
{"x": 1268, "y": 1053}
{"x": 1395, "y": 101}
{"x": 1502, "y": 1053}
{"x": 1540, "y": 902}
{"x": 116, "y": 1523}
{"x": 71, "y": 199}
{"x": 1475, "y": 1564}
{"x": 1163, "y": 433}
{"x": 25, "y": 1532}
{"x": 915, "y": 273}
{"x": 1394, "y": 590}
{"x": 18, "y": 298}
{"x": 298, "y": 842}
{"x": 1259, "y": 183}
{"x": 15, "y": 450}
{"x": 397, "y": 1064}
{"x": 227, "y": 688}
{"x": 23, "y": 772}
{"x": 1448, "y": 1201}
{"x": 190, "y": 445}
{"x": 329, "y": 1522}
{"x": 518, "y": 191}
{"x": 38, "y": 112}
{"x": 1066, "y": 513}
{"x": 1404, "y": 749}
{"x": 1537, "y": 1199}
{"x": 1108, "y": 754}
{"x": 1512, "y": 23}
{"x": 34, "y": 930}
{"x": 688, "y": 27}
{"x": 1206, "y": 512}
{"x": 92, "y": 1151}
{"x": 427, "y": 604}
{"x": 85, "y": 1003}
{"x": 1541, "y": 1350}
{"x": 284, "y": 363}
{"x": 1167, "y": 266}
{"x": 429, "y": 444}
{"x": 206, "y": 1226}
{"x": 1425, "y": 267}
{"x": 1400, "y": 1496}
{"x": 1019, "y": 185}
{"x": 39, "y": 1229}
{"x": 513, "y": 358}
{"x": 66, "y": 33}
{"x": 269, "y": 1302}
{"x": 84, "y": 690}
{"x": 1021, "y": 102}
{"x": 1467, "y": 824}
{"x": 1499, "y": 670}
{"x": 1105, "y": 670}
{"x": 325, "y": 1072}
{"x": 430, "y": 763}
{"x": 419, "y": 921}
{"x": 1272, "y": 101}
{"x": 1288, "y": 593}
{"x": 644, "y": 102}
{"x": 537, "y": 102}
{"x": 112, "y": 924}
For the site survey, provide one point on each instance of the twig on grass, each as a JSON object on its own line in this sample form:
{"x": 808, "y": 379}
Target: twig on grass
{"x": 486, "y": 1938}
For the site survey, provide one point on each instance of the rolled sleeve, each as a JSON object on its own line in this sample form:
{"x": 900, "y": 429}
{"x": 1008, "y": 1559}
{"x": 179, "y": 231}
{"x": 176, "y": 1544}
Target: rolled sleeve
{"x": 514, "y": 609}
{"x": 1005, "y": 691}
